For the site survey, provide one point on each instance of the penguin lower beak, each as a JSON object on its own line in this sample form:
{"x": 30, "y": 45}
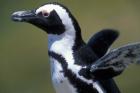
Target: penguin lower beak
{"x": 50, "y": 24}
{"x": 23, "y": 16}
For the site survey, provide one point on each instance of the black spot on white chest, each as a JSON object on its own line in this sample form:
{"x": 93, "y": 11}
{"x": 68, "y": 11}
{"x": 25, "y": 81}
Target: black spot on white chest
{"x": 56, "y": 71}
{"x": 60, "y": 82}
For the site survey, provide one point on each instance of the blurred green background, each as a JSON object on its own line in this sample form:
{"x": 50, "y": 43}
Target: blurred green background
{"x": 24, "y": 64}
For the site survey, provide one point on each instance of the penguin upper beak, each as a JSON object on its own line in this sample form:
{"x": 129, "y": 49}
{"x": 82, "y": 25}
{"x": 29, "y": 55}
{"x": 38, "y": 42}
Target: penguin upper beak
{"x": 50, "y": 24}
{"x": 21, "y": 16}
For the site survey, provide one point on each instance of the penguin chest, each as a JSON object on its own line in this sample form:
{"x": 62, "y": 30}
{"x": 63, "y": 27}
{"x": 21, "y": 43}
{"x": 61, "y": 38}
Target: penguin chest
{"x": 60, "y": 82}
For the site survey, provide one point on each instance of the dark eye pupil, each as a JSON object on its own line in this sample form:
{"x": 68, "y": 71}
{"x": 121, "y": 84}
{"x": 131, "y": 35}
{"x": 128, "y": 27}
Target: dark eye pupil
{"x": 45, "y": 14}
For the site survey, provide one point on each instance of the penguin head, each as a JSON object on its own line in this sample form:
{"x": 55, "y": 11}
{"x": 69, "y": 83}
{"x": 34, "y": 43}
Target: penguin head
{"x": 53, "y": 18}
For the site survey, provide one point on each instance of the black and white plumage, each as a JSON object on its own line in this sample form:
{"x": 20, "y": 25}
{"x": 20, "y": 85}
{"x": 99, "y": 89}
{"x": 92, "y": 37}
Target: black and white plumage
{"x": 116, "y": 61}
{"x": 76, "y": 67}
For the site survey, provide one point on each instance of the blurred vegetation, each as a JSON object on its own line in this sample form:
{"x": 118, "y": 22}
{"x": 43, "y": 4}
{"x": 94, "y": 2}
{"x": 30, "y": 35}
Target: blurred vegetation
{"x": 24, "y": 64}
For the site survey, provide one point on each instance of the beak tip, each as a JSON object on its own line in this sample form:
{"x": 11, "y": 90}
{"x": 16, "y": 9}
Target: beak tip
{"x": 23, "y": 16}
{"x": 16, "y": 16}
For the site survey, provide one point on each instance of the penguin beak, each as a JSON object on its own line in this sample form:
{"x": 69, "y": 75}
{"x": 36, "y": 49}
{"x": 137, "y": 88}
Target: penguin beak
{"x": 30, "y": 17}
{"x": 23, "y": 16}
{"x": 50, "y": 24}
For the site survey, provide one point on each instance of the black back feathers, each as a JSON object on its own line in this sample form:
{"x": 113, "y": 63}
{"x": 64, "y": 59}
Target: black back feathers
{"x": 101, "y": 41}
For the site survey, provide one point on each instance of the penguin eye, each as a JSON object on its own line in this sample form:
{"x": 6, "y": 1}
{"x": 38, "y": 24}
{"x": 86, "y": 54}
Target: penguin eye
{"x": 44, "y": 14}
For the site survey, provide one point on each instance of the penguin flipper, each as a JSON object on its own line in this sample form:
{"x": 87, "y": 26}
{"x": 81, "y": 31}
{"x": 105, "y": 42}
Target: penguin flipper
{"x": 101, "y": 41}
{"x": 115, "y": 62}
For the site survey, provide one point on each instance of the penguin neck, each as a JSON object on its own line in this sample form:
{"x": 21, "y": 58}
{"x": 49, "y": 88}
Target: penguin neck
{"x": 60, "y": 43}
{"x": 65, "y": 42}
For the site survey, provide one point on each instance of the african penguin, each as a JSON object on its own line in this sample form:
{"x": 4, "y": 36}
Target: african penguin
{"x": 73, "y": 62}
